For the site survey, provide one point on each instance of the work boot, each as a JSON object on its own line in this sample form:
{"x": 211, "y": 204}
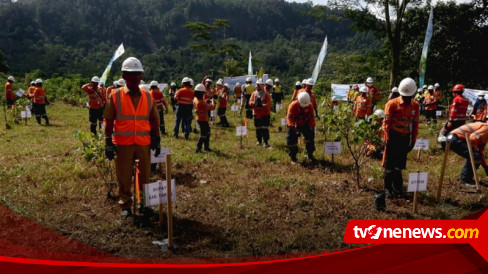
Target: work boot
{"x": 312, "y": 159}
{"x": 258, "y": 143}
{"x": 379, "y": 201}
{"x": 387, "y": 177}
{"x": 398, "y": 184}
{"x": 266, "y": 145}
{"x": 187, "y": 135}
{"x": 294, "y": 159}
{"x": 199, "y": 150}
{"x": 467, "y": 183}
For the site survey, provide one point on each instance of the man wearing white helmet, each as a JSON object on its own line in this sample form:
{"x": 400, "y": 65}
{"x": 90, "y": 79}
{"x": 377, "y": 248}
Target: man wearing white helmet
{"x": 31, "y": 89}
{"x": 223, "y": 96}
{"x": 298, "y": 87}
{"x": 300, "y": 119}
{"x": 260, "y": 101}
{"x": 161, "y": 104}
{"x": 202, "y": 108}
{"x": 400, "y": 129}
{"x": 362, "y": 105}
{"x": 374, "y": 92}
{"x": 39, "y": 103}
{"x": 237, "y": 93}
{"x": 394, "y": 93}
{"x": 277, "y": 94}
{"x": 248, "y": 90}
{"x": 96, "y": 104}
{"x": 9, "y": 92}
{"x": 308, "y": 88}
{"x": 172, "y": 92}
{"x": 430, "y": 105}
{"x": 438, "y": 92}
{"x": 184, "y": 99}
{"x": 479, "y": 111}
{"x": 131, "y": 132}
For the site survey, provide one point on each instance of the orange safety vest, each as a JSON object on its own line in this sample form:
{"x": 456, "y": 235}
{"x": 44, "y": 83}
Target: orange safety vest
{"x": 131, "y": 126}
{"x": 263, "y": 111}
{"x": 39, "y": 96}
{"x": 184, "y": 96}
{"x": 375, "y": 93}
{"x": 158, "y": 97}
{"x": 480, "y": 114}
{"x": 223, "y": 98}
{"x": 9, "y": 93}
{"x": 30, "y": 91}
{"x": 298, "y": 116}
{"x": 401, "y": 117}
{"x": 362, "y": 106}
{"x": 458, "y": 108}
{"x": 202, "y": 109}
{"x": 237, "y": 92}
{"x": 96, "y": 98}
{"x": 430, "y": 99}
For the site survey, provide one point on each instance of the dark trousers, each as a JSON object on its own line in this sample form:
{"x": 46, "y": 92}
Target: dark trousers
{"x": 10, "y": 103}
{"x": 276, "y": 99}
{"x": 396, "y": 151}
{"x": 161, "y": 122}
{"x": 183, "y": 115}
{"x": 204, "y": 138}
{"x": 431, "y": 114}
{"x": 248, "y": 108}
{"x": 223, "y": 118}
{"x": 292, "y": 139}
{"x": 40, "y": 112}
{"x": 95, "y": 115}
{"x": 262, "y": 128}
{"x": 460, "y": 147}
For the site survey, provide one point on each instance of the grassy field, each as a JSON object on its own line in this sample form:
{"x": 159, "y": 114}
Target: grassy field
{"x": 233, "y": 202}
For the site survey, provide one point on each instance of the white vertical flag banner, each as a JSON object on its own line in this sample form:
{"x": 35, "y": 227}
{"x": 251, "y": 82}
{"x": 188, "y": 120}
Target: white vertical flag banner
{"x": 423, "y": 58}
{"x": 320, "y": 61}
{"x": 120, "y": 50}
{"x": 249, "y": 65}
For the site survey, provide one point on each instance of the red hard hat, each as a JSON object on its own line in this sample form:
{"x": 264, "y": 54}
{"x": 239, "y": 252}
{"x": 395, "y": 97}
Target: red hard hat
{"x": 458, "y": 87}
{"x": 356, "y": 87}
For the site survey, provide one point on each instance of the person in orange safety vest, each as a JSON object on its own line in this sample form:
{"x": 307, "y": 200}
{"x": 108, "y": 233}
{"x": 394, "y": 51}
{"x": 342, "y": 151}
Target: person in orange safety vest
{"x": 479, "y": 111}
{"x": 374, "y": 92}
{"x": 184, "y": 100}
{"x": 223, "y": 98}
{"x": 161, "y": 104}
{"x": 9, "y": 92}
{"x": 300, "y": 119}
{"x": 260, "y": 102}
{"x": 96, "y": 103}
{"x": 362, "y": 105}
{"x": 39, "y": 103}
{"x": 132, "y": 129}
{"x": 430, "y": 104}
{"x": 202, "y": 107}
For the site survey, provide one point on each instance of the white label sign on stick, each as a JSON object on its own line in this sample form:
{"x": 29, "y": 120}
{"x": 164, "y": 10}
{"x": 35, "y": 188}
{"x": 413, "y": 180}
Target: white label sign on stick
{"x": 241, "y": 131}
{"x": 417, "y": 182}
{"x": 283, "y": 121}
{"x": 157, "y": 193}
{"x": 28, "y": 113}
{"x": 23, "y": 114}
{"x": 279, "y": 106}
{"x": 234, "y": 108}
{"x": 421, "y": 144}
{"x": 213, "y": 113}
{"x": 332, "y": 148}
{"x": 438, "y": 113}
{"x": 161, "y": 157}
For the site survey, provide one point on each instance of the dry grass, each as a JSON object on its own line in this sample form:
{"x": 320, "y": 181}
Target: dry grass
{"x": 254, "y": 202}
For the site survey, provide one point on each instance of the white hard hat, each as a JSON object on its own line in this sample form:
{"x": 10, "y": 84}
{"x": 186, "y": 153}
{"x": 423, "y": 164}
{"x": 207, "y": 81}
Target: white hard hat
{"x": 191, "y": 82}
{"x": 269, "y": 82}
{"x": 277, "y": 80}
{"x": 304, "y": 99}
{"x": 208, "y": 80}
{"x": 33, "y": 82}
{"x": 219, "y": 82}
{"x": 185, "y": 80}
{"x": 200, "y": 87}
{"x": 259, "y": 82}
{"x": 364, "y": 90}
{"x": 420, "y": 90}
{"x": 334, "y": 98}
{"x": 431, "y": 87}
{"x": 298, "y": 83}
{"x": 38, "y": 81}
{"x": 304, "y": 82}
{"x": 153, "y": 83}
{"x": 121, "y": 82}
{"x": 173, "y": 84}
{"x": 437, "y": 85}
{"x": 481, "y": 93}
{"x": 248, "y": 79}
{"x": 369, "y": 80}
{"x": 407, "y": 87}
{"x": 394, "y": 89}
{"x": 380, "y": 113}
{"x": 226, "y": 85}
{"x": 95, "y": 79}
{"x": 424, "y": 86}
{"x": 310, "y": 82}
{"x": 237, "y": 84}
{"x": 132, "y": 64}
{"x": 11, "y": 78}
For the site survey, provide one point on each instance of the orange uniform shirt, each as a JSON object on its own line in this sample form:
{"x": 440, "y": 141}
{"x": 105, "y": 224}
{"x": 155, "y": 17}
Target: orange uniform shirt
{"x": 202, "y": 109}
{"x": 184, "y": 96}
{"x": 223, "y": 99}
{"x": 362, "y": 106}
{"x": 30, "y": 91}
{"x": 375, "y": 93}
{"x": 96, "y": 98}
{"x": 313, "y": 99}
{"x": 9, "y": 93}
{"x": 481, "y": 112}
{"x": 458, "y": 108}
{"x": 298, "y": 116}
{"x": 237, "y": 92}
{"x": 265, "y": 109}
{"x": 401, "y": 117}
{"x": 39, "y": 96}
{"x": 438, "y": 95}
{"x": 158, "y": 98}
{"x": 478, "y": 135}
{"x": 430, "y": 102}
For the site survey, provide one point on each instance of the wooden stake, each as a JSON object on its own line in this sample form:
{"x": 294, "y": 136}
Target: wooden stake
{"x": 468, "y": 142}
{"x": 443, "y": 169}
{"x": 415, "y": 192}
{"x": 161, "y": 220}
{"x": 138, "y": 192}
{"x": 418, "y": 155}
{"x": 170, "y": 207}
